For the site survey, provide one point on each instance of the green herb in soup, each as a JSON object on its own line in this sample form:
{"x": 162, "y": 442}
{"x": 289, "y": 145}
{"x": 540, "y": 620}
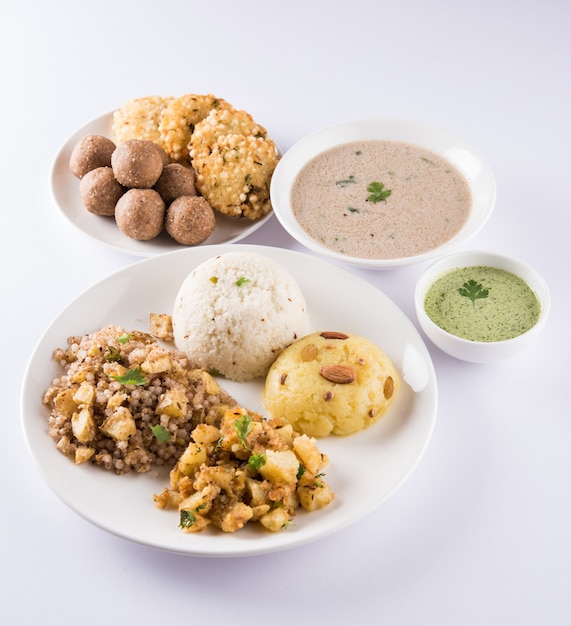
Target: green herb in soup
{"x": 482, "y": 303}
{"x": 377, "y": 192}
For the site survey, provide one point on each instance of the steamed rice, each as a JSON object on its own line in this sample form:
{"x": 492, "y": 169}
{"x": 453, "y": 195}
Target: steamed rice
{"x": 236, "y": 312}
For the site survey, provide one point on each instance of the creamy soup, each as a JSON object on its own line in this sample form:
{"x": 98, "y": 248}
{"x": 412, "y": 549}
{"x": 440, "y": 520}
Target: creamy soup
{"x": 380, "y": 199}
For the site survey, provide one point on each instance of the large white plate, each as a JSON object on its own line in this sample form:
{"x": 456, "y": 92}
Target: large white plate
{"x": 364, "y": 470}
{"x": 65, "y": 190}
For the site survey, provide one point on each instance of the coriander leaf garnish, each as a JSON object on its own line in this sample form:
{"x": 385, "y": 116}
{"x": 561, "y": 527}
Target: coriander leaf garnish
{"x": 188, "y": 516}
{"x": 256, "y": 461}
{"x": 242, "y": 427}
{"x": 187, "y": 519}
{"x": 161, "y": 433}
{"x": 316, "y": 480}
{"x": 352, "y": 209}
{"x": 124, "y": 338}
{"x": 242, "y": 281}
{"x": 350, "y": 180}
{"x": 112, "y": 355}
{"x": 132, "y": 377}
{"x": 473, "y": 290}
{"x": 378, "y": 192}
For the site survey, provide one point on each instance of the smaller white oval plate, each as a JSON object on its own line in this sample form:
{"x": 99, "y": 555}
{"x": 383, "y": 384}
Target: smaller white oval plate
{"x": 364, "y": 469}
{"x": 65, "y": 190}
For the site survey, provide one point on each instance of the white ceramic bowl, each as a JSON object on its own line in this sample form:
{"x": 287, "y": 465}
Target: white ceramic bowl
{"x": 476, "y": 171}
{"x": 479, "y": 351}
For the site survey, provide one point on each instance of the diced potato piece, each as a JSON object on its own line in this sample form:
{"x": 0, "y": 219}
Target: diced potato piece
{"x": 175, "y": 476}
{"x": 120, "y": 425}
{"x": 311, "y": 458}
{"x": 222, "y": 476}
{"x": 204, "y": 434}
{"x": 114, "y": 370}
{"x": 285, "y": 433}
{"x": 230, "y": 440}
{"x": 83, "y": 453}
{"x": 257, "y": 491}
{"x": 259, "y": 511}
{"x": 211, "y": 387}
{"x": 191, "y": 459}
{"x": 83, "y": 425}
{"x": 78, "y": 377}
{"x": 64, "y": 445}
{"x": 167, "y": 499}
{"x": 95, "y": 350}
{"x": 173, "y": 402}
{"x": 313, "y": 493}
{"x": 84, "y": 394}
{"x": 201, "y": 501}
{"x": 275, "y": 519}
{"x": 292, "y": 501}
{"x": 157, "y": 361}
{"x": 117, "y": 399}
{"x": 64, "y": 403}
{"x": 280, "y": 467}
{"x": 234, "y": 517}
{"x": 160, "y": 326}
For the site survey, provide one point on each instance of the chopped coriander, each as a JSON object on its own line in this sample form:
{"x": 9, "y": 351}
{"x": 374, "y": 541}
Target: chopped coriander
{"x": 112, "y": 355}
{"x": 427, "y": 160}
{"x": 242, "y": 281}
{"x": 473, "y": 290}
{"x": 187, "y": 519}
{"x": 242, "y": 427}
{"x": 188, "y": 516}
{"x": 161, "y": 433}
{"x": 124, "y": 338}
{"x": 350, "y": 180}
{"x": 352, "y": 209}
{"x": 300, "y": 471}
{"x": 378, "y": 192}
{"x": 214, "y": 279}
{"x": 256, "y": 461}
{"x": 132, "y": 377}
{"x": 317, "y": 482}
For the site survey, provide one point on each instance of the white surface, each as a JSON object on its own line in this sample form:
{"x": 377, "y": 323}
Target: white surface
{"x": 481, "y": 351}
{"x": 473, "y": 166}
{"x": 479, "y": 534}
{"x": 364, "y": 470}
{"x": 65, "y": 190}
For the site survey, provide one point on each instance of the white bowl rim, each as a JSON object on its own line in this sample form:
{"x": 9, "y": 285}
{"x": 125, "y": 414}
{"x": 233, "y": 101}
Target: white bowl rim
{"x": 473, "y": 166}
{"x": 493, "y": 259}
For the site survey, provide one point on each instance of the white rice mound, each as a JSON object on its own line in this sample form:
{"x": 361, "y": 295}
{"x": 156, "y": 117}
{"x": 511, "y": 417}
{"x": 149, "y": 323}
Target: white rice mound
{"x": 235, "y": 313}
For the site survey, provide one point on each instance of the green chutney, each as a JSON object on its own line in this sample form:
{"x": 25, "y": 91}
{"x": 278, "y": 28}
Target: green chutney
{"x": 482, "y": 303}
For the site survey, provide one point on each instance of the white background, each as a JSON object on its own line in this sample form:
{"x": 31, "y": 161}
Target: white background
{"x": 480, "y": 533}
